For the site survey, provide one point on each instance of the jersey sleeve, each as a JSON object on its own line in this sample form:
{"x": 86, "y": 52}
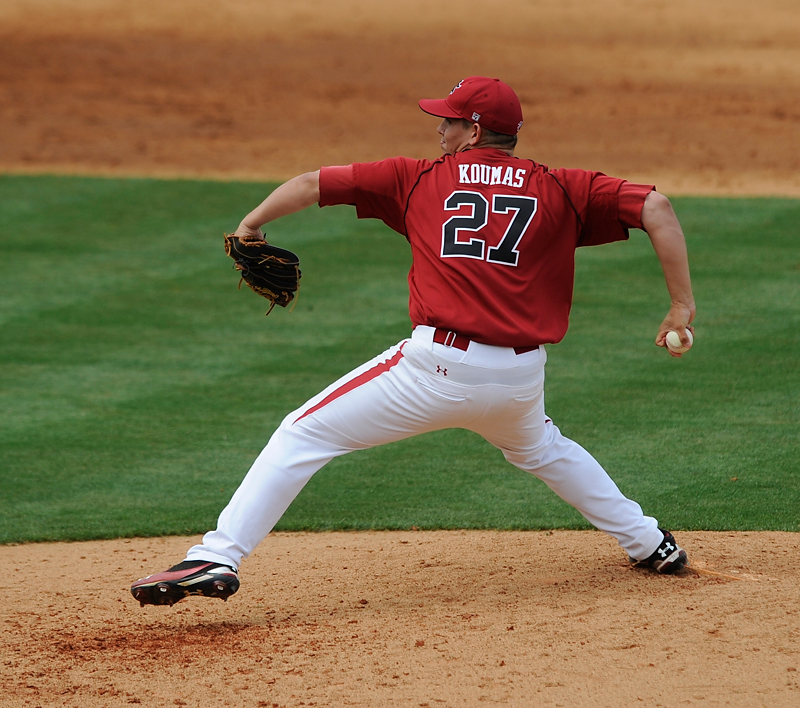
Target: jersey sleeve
{"x": 606, "y": 206}
{"x": 378, "y": 190}
{"x": 631, "y": 201}
{"x": 613, "y": 206}
{"x": 336, "y": 186}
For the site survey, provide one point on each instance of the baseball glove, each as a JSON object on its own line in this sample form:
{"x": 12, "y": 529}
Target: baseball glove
{"x": 272, "y": 272}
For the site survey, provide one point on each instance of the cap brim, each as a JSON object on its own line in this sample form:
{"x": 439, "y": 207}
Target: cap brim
{"x": 437, "y": 107}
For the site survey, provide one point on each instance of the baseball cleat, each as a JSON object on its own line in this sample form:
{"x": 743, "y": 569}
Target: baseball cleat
{"x": 187, "y": 578}
{"x": 669, "y": 557}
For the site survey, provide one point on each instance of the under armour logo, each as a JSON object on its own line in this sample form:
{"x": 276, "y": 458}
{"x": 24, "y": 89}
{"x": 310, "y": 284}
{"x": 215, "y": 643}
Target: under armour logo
{"x": 440, "y": 370}
{"x": 666, "y": 550}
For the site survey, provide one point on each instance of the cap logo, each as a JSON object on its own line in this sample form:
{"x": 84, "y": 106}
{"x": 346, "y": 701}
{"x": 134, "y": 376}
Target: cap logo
{"x": 476, "y": 117}
{"x": 519, "y": 125}
{"x": 456, "y": 87}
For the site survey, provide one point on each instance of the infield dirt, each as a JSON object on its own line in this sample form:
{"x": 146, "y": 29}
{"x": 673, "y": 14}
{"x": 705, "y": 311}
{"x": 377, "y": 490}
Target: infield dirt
{"x": 699, "y": 98}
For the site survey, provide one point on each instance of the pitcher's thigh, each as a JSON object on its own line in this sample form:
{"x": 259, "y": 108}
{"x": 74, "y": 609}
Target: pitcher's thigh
{"x": 382, "y": 406}
{"x": 516, "y": 424}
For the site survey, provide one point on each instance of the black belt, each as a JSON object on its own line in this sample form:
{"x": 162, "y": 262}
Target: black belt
{"x": 459, "y": 341}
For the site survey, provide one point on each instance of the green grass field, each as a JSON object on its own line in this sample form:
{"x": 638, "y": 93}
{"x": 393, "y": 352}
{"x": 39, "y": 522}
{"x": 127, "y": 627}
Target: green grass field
{"x": 137, "y": 383}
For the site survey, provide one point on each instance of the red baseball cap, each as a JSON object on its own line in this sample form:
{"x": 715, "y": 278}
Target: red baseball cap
{"x": 487, "y": 102}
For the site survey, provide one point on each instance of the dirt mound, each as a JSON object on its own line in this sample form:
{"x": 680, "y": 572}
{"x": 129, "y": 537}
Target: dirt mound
{"x": 410, "y": 619}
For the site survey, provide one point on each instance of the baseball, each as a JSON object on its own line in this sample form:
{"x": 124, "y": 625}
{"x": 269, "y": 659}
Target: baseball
{"x": 674, "y": 342}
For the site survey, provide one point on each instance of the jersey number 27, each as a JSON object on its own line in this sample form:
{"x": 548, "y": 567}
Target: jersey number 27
{"x": 506, "y": 251}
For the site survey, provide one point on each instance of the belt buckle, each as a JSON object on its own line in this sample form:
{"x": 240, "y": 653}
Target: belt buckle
{"x": 450, "y": 339}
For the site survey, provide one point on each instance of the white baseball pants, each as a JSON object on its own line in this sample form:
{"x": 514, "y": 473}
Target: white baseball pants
{"x": 415, "y": 387}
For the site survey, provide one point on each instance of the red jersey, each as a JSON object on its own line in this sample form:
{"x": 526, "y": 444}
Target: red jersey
{"x": 492, "y": 236}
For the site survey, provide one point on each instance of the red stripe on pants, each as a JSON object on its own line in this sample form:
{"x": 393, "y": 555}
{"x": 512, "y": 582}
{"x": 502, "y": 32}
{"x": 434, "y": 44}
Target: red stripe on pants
{"x": 353, "y": 384}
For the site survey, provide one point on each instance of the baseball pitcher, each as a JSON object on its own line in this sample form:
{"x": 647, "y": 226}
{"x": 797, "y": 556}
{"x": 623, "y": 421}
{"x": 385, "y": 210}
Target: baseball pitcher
{"x": 493, "y": 239}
